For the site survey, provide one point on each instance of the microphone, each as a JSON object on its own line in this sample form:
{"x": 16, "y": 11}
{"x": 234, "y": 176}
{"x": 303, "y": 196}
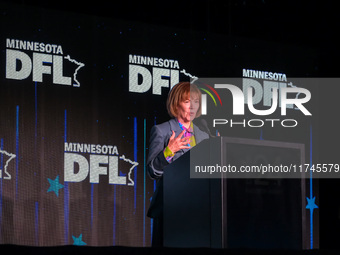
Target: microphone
{"x": 204, "y": 126}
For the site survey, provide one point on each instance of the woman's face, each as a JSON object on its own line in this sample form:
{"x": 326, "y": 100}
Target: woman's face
{"x": 187, "y": 109}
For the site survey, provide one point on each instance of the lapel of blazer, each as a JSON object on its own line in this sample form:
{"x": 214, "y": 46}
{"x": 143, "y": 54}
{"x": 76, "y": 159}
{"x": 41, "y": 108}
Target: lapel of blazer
{"x": 174, "y": 126}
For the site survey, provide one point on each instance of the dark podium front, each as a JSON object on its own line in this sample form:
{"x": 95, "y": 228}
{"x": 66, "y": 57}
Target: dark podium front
{"x": 237, "y": 212}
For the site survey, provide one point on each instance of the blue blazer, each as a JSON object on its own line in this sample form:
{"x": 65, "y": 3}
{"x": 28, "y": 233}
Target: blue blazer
{"x": 159, "y": 139}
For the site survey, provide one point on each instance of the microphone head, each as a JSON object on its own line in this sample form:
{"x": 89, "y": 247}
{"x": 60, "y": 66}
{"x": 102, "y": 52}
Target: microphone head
{"x": 205, "y": 128}
{"x": 204, "y": 122}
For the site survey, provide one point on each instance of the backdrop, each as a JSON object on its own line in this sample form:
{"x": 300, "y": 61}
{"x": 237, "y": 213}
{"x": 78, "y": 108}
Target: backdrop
{"x": 78, "y": 97}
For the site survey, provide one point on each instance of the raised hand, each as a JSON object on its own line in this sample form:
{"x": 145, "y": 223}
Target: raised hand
{"x": 178, "y": 143}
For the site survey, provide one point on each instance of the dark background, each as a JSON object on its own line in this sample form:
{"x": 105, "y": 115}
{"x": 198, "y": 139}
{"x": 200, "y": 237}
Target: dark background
{"x": 307, "y": 24}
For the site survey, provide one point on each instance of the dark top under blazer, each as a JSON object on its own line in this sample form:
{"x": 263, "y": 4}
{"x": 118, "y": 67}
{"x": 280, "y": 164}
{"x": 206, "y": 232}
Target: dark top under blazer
{"x": 159, "y": 139}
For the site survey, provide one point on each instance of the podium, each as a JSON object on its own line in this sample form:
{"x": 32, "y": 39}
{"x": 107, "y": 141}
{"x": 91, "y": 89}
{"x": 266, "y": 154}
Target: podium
{"x": 254, "y": 213}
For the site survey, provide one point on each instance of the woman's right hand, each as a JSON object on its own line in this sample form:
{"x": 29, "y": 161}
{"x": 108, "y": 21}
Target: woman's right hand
{"x": 177, "y": 143}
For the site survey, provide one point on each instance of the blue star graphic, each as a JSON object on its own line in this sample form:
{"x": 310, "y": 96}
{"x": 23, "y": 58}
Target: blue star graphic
{"x": 55, "y": 186}
{"x": 311, "y": 204}
{"x": 78, "y": 241}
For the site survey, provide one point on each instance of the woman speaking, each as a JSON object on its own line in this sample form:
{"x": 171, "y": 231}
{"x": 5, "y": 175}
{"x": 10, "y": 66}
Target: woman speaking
{"x": 169, "y": 141}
